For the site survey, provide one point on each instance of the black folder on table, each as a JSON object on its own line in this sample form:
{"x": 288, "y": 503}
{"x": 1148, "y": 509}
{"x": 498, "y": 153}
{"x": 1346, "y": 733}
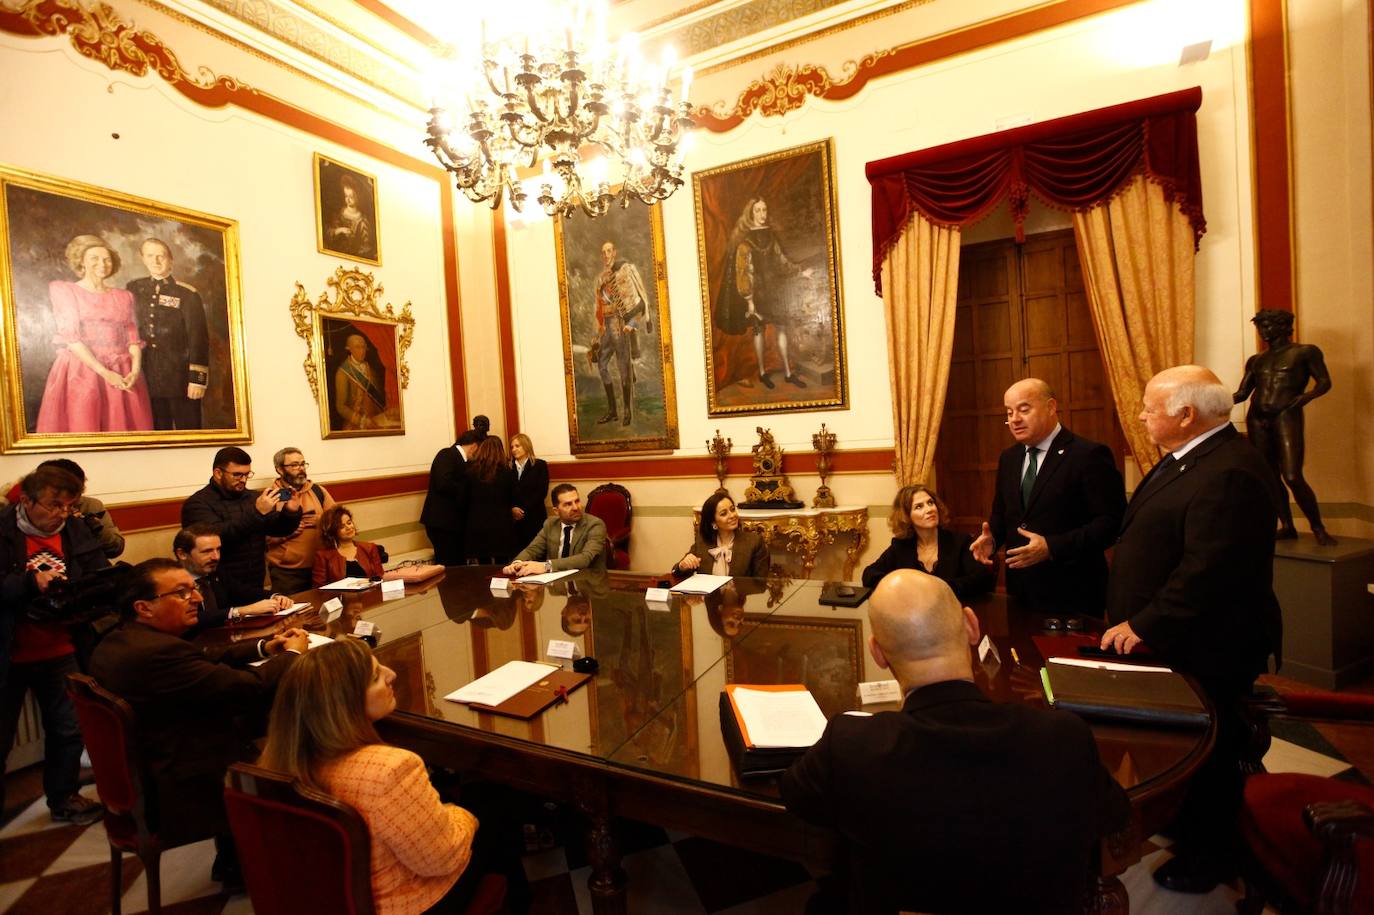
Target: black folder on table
{"x": 1144, "y": 696}
{"x": 751, "y": 762}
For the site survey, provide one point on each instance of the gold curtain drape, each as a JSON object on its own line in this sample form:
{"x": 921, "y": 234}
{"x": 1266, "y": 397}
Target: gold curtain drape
{"x": 920, "y": 286}
{"x": 1136, "y": 251}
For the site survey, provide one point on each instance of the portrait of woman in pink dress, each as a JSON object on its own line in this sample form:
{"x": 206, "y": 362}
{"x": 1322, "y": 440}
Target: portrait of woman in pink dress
{"x": 96, "y": 382}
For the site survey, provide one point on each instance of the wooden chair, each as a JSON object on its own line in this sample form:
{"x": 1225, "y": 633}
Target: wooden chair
{"x": 611, "y": 503}
{"x": 304, "y": 851}
{"x": 109, "y": 730}
{"x": 1309, "y": 841}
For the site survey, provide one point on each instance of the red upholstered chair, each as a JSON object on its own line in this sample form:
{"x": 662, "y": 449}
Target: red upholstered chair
{"x": 1310, "y": 840}
{"x": 611, "y": 503}
{"x": 305, "y": 851}
{"x": 110, "y": 732}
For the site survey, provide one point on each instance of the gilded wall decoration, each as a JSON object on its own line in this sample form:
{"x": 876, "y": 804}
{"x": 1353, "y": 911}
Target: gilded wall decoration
{"x": 355, "y": 360}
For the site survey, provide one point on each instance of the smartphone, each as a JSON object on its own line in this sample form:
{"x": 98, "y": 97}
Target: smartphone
{"x": 284, "y": 494}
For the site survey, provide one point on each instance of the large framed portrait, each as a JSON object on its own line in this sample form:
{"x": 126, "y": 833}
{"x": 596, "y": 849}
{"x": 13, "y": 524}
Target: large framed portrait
{"x": 346, "y": 212}
{"x": 768, "y": 244}
{"x": 355, "y": 355}
{"x": 120, "y": 320}
{"x": 617, "y": 340}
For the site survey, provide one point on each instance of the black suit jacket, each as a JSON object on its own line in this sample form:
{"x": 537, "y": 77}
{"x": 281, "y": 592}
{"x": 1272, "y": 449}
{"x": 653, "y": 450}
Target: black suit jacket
{"x": 489, "y": 529}
{"x": 1076, "y": 505}
{"x": 959, "y": 804}
{"x": 243, "y": 530}
{"x": 531, "y": 495}
{"x": 1193, "y": 570}
{"x": 954, "y": 563}
{"x": 219, "y": 597}
{"x": 446, "y": 502}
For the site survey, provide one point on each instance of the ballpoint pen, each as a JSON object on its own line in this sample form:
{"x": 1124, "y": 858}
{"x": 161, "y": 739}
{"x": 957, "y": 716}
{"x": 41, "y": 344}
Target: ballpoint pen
{"x": 1016, "y": 658}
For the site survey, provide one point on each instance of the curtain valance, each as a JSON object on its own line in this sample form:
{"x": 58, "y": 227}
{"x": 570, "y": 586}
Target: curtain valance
{"x": 1072, "y": 163}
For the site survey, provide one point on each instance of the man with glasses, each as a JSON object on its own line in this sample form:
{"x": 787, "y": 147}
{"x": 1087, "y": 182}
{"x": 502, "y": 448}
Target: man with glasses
{"x": 41, "y": 547}
{"x": 243, "y": 519}
{"x": 195, "y": 707}
{"x": 290, "y": 559}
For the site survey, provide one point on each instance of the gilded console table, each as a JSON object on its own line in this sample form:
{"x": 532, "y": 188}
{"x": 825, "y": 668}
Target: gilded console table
{"x": 804, "y": 531}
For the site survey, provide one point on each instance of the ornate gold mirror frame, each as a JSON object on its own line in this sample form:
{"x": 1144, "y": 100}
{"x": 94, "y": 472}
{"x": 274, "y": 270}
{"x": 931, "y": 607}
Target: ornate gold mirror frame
{"x": 355, "y": 360}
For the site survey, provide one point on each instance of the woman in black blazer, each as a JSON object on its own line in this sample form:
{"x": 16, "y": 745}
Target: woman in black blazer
{"x": 489, "y": 529}
{"x": 919, "y": 542}
{"x": 723, "y": 547}
{"x": 531, "y": 490}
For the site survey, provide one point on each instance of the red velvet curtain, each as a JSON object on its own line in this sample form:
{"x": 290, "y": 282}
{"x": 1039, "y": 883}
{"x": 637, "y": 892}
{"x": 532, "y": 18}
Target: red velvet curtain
{"x": 1073, "y": 163}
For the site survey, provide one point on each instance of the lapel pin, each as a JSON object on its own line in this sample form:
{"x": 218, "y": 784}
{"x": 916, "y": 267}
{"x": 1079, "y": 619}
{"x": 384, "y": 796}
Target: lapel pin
{"x": 1060, "y": 451}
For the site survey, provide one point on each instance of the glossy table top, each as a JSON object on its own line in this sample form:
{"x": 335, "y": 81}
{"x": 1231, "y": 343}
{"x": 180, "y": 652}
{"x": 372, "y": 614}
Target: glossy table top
{"x": 653, "y": 705}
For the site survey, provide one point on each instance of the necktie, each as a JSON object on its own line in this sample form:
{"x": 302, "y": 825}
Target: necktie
{"x": 1028, "y": 480}
{"x": 1161, "y": 473}
{"x": 567, "y": 542}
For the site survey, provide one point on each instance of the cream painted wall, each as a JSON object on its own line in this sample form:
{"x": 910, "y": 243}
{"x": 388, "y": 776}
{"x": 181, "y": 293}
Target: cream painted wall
{"x": 237, "y": 165}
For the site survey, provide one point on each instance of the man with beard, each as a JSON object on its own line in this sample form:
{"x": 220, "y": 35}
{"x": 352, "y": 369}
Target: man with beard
{"x": 197, "y": 548}
{"x": 291, "y": 558}
{"x": 243, "y": 520}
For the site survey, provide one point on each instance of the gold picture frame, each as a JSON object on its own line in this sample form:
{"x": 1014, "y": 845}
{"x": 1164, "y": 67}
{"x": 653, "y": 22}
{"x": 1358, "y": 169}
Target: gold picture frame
{"x": 606, "y": 413}
{"x": 187, "y": 328}
{"x": 772, "y": 309}
{"x": 355, "y": 359}
{"x": 346, "y": 227}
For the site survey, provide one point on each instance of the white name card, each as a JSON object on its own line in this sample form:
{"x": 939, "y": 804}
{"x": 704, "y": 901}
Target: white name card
{"x": 500, "y": 584}
{"x": 364, "y": 629}
{"x": 879, "y": 691}
{"x": 658, "y": 595}
{"x": 561, "y": 649}
{"x": 987, "y": 650}
{"x": 331, "y": 609}
{"x": 393, "y": 589}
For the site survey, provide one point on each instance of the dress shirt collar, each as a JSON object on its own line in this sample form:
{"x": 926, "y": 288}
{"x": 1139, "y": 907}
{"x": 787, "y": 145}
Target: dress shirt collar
{"x": 520, "y": 467}
{"x": 941, "y": 693}
{"x": 1192, "y": 443}
{"x": 1043, "y": 446}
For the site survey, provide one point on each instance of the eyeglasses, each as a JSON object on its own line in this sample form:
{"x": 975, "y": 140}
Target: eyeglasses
{"x": 182, "y": 593}
{"x": 240, "y": 475}
{"x": 60, "y": 508}
{"x": 296, "y": 465}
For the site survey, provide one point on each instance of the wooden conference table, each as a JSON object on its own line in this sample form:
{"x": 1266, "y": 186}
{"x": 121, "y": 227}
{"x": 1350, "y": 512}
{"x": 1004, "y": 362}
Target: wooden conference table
{"x": 642, "y": 739}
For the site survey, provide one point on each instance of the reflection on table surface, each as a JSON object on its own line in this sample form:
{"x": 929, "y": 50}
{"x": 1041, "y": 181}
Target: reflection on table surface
{"x": 653, "y": 704}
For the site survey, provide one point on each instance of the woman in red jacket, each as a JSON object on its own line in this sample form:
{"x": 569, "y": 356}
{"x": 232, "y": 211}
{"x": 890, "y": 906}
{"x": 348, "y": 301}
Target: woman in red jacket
{"x": 343, "y": 556}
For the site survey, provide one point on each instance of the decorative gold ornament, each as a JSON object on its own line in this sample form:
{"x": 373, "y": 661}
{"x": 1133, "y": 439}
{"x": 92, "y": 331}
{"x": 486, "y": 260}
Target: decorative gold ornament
{"x": 768, "y": 488}
{"x": 720, "y": 448}
{"x": 824, "y": 443}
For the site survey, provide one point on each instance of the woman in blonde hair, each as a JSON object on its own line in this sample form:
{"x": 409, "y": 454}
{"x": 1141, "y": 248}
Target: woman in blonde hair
{"x": 321, "y": 733}
{"x": 920, "y": 541}
{"x": 96, "y": 380}
{"x": 531, "y": 490}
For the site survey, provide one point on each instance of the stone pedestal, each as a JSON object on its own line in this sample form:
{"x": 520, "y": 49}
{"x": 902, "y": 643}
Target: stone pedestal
{"x": 1328, "y": 610}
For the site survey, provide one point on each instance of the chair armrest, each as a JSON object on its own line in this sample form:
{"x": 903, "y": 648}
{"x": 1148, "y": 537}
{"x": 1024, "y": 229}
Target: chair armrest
{"x": 1334, "y": 820}
{"x": 1324, "y": 704}
{"x": 1337, "y": 825}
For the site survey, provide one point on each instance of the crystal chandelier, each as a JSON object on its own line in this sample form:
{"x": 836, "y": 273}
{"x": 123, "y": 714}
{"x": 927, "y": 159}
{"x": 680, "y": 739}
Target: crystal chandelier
{"x": 562, "y": 93}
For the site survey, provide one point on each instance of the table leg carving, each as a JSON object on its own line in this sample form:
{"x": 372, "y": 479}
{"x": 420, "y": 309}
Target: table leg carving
{"x": 1107, "y": 897}
{"x": 607, "y": 879}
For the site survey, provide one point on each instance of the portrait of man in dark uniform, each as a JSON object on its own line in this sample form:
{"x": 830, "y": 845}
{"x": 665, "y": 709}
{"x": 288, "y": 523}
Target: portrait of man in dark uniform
{"x": 171, "y": 322}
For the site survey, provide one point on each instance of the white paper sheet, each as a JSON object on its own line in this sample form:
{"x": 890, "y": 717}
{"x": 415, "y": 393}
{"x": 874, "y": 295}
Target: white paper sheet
{"x": 294, "y": 608}
{"x": 316, "y": 640}
{"x": 502, "y": 683}
{"x": 701, "y": 584}
{"x": 780, "y": 718}
{"x": 1110, "y": 665}
{"x": 544, "y": 578}
{"x": 349, "y": 584}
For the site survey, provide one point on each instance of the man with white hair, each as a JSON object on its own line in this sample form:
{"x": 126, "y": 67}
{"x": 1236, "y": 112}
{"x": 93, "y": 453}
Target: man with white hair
{"x": 954, "y": 803}
{"x": 1192, "y": 578}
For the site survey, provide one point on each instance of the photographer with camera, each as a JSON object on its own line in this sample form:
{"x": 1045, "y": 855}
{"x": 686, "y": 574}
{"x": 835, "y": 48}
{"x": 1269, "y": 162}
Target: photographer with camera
{"x": 44, "y": 556}
{"x": 89, "y": 509}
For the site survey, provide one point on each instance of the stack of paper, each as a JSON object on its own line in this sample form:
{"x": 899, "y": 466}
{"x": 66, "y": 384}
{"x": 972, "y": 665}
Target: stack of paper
{"x": 502, "y": 683}
{"x": 766, "y": 728}
{"x": 701, "y": 584}
{"x": 350, "y": 584}
{"x": 544, "y": 578}
{"x": 316, "y": 640}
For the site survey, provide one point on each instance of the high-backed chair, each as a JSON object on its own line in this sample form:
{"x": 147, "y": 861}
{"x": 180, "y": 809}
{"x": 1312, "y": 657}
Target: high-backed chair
{"x": 109, "y": 729}
{"x": 611, "y": 503}
{"x": 304, "y": 851}
{"x": 1309, "y": 840}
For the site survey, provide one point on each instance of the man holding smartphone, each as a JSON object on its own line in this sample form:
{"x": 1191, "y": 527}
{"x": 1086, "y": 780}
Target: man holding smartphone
{"x": 243, "y": 519}
{"x": 291, "y": 558}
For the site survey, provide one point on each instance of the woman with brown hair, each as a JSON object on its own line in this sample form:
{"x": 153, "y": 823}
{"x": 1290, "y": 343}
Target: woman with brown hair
{"x": 921, "y": 542}
{"x": 342, "y": 555}
{"x": 722, "y": 546}
{"x": 489, "y": 528}
{"x": 321, "y": 733}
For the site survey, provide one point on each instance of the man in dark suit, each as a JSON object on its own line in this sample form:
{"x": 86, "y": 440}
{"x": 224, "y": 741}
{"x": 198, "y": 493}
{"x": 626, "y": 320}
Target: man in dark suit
{"x": 568, "y": 540}
{"x": 176, "y": 355}
{"x": 1192, "y": 578}
{"x": 445, "y": 510}
{"x": 954, "y": 803}
{"x": 1057, "y": 507}
{"x": 197, "y": 549}
{"x": 189, "y": 703}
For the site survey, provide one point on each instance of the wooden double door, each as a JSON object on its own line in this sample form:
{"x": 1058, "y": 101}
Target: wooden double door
{"x": 1021, "y": 312}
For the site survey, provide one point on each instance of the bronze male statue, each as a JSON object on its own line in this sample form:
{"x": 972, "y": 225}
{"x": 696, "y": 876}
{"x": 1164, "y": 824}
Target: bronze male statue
{"x": 1278, "y": 380}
